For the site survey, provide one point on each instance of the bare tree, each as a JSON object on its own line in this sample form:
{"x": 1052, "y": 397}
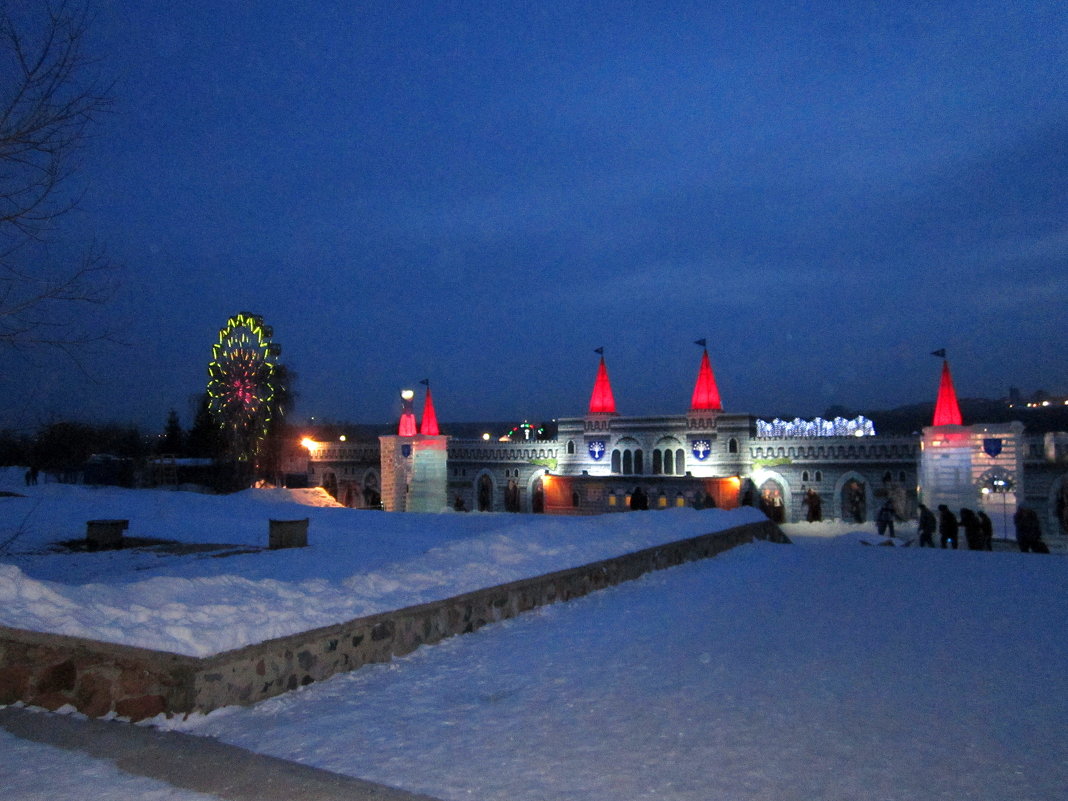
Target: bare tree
{"x": 49, "y": 97}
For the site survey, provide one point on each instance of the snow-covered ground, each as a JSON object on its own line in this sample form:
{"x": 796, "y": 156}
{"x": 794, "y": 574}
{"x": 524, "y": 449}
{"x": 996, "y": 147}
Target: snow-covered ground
{"x": 825, "y": 669}
{"x": 207, "y": 601}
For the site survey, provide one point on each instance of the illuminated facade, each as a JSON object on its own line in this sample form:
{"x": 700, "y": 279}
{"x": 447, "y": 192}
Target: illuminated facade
{"x": 604, "y": 462}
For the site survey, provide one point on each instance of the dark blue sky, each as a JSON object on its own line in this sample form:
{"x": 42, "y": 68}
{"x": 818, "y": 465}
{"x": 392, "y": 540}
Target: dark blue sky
{"x": 482, "y": 193}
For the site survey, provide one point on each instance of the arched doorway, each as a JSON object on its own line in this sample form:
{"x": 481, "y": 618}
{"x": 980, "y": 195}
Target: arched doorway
{"x": 772, "y": 500}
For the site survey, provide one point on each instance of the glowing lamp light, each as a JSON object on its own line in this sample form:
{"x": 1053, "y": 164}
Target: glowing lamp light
{"x": 307, "y": 443}
{"x": 486, "y": 437}
{"x": 342, "y": 438}
{"x": 407, "y": 394}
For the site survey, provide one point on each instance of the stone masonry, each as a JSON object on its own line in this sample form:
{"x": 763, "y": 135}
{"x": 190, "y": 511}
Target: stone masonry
{"x": 51, "y": 670}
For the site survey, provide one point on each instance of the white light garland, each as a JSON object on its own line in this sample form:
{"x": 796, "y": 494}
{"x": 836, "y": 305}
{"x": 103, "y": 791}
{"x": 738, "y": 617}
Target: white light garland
{"x": 859, "y": 426}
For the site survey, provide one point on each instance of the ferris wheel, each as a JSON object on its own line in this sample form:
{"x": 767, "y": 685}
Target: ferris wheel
{"x": 240, "y": 377}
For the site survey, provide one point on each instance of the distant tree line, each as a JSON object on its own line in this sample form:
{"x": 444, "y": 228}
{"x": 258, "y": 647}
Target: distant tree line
{"x": 64, "y": 448}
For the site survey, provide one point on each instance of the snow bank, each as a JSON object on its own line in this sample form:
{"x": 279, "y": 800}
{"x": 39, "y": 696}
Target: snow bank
{"x": 357, "y": 562}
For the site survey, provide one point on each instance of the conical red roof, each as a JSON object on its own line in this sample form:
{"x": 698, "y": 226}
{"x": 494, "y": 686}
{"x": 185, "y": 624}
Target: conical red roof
{"x": 705, "y": 391}
{"x": 429, "y": 426}
{"x": 406, "y": 428}
{"x": 947, "y": 410}
{"x": 601, "y": 401}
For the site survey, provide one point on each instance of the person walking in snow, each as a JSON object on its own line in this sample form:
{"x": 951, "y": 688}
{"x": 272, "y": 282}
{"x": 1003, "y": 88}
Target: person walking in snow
{"x": 884, "y": 521}
{"x": 947, "y": 526}
{"x": 926, "y": 527}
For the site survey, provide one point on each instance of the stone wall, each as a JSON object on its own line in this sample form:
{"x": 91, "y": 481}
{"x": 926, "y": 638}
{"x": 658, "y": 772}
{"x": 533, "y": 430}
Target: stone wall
{"x": 51, "y": 670}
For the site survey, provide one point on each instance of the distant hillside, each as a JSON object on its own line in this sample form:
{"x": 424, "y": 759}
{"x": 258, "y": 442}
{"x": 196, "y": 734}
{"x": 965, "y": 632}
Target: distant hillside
{"x": 909, "y": 419}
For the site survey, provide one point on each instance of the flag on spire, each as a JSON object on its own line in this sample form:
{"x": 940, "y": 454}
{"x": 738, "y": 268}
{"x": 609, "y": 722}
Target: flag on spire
{"x": 429, "y": 425}
{"x": 705, "y": 391}
{"x": 947, "y": 410}
{"x": 602, "y": 401}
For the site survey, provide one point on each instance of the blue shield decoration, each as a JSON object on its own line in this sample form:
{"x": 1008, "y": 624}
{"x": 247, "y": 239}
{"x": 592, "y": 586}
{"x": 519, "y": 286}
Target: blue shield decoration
{"x": 701, "y": 449}
{"x": 596, "y": 448}
{"x": 992, "y": 447}
{"x": 406, "y": 451}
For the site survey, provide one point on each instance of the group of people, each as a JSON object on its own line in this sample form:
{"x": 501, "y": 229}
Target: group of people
{"x": 978, "y": 529}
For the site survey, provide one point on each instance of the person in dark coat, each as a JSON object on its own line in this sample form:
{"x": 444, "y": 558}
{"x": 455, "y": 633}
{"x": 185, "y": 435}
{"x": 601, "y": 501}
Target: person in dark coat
{"x": 987, "y": 529}
{"x": 814, "y": 505}
{"x": 884, "y": 521}
{"x": 947, "y": 526}
{"x": 973, "y": 530}
{"x": 1029, "y": 531}
{"x": 926, "y": 527}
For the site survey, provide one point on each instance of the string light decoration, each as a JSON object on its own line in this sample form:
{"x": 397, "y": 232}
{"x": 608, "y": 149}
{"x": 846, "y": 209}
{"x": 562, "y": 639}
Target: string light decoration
{"x": 860, "y": 426}
{"x": 241, "y": 388}
{"x": 525, "y": 431}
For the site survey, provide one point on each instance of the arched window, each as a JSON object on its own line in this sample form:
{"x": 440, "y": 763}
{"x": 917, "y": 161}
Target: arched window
{"x": 680, "y": 461}
{"x": 804, "y": 475}
{"x": 616, "y": 467}
{"x": 658, "y": 463}
{"x": 575, "y": 499}
{"x": 819, "y": 475}
{"x": 669, "y": 463}
{"x": 628, "y": 462}
{"x": 571, "y": 446}
{"x": 639, "y": 462}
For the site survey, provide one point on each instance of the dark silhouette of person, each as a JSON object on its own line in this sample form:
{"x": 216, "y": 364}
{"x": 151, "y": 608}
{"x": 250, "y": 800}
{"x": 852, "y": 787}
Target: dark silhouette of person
{"x": 884, "y": 521}
{"x": 973, "y": 529}
{"x": 986, "y": 528}
{"x": 1029, "y": 531}
{"x": 814, "y": 505}
{"x": 926, "y": 527}
{"x": 947, "y": 526}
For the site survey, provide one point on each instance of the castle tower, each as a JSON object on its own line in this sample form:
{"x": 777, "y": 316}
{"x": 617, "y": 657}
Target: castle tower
{"x": 978, "y": 467}
{"x": 947, "y": 410}
{"x": 414, "y": 466}
{"x": 705, "y": 391}
{"x": 602, "y": 401}
{"x": 406, "y": 427}
{"x": 429, "y": 425}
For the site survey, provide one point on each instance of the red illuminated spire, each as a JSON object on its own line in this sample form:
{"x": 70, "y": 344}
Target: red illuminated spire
{"x": 705, "y": 391}
{"x": 407, "y": 419}
{"x": 429, "y": 426}
{"x": 601, "y": 401}
{"x": 947, "y": 410}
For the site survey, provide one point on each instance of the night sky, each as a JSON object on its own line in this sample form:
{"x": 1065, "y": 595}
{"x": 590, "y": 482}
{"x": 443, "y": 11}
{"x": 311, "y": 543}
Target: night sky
{"x": 482, "y": 193}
